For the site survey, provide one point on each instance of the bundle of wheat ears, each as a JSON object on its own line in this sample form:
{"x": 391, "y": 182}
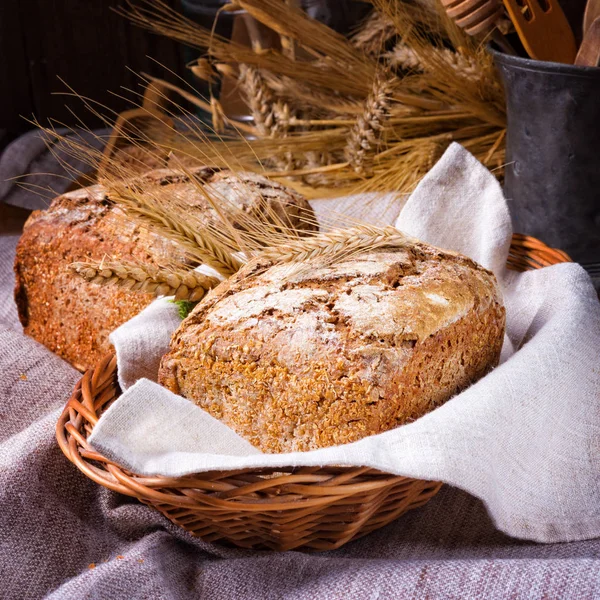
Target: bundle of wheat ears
{"x": 330, "y": 115}
{"x": 369, "y": 112}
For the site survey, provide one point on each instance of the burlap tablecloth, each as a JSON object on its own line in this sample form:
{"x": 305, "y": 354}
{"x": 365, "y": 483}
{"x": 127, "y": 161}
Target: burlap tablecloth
{"x": 62, "y": 536}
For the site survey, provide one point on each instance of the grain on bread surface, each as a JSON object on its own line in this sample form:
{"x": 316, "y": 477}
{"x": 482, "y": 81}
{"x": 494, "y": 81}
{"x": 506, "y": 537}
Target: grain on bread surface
{"x": 72, "y": 317}
{"x": 295, "y": 360}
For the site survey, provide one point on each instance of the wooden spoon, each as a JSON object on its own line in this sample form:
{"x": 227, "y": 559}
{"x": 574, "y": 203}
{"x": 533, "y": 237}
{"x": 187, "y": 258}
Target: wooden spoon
{"x": 589, "y": 51}
{"x": 474, "y": 16}
{"x": 543, "y": 29}
{"x": 479, "y": 17}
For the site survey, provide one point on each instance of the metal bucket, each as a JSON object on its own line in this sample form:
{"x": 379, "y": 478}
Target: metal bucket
{"x": 552, "y": 181}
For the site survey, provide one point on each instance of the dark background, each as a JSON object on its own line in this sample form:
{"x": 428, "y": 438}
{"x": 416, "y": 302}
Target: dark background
{"x": 98, "y": 52}
{"x": 85, "y": 43}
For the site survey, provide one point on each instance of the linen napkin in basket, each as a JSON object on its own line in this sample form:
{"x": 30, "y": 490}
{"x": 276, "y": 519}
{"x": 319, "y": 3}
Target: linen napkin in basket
{"x": 525, "y": 438}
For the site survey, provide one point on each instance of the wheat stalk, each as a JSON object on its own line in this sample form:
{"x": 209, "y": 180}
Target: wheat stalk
{"x": 311, "y": 97}
{"x": 184, "y": 285}
{"x": 316, "y": 161}
{"x": 172, "y": 224}
{"x": 284, "y": 117}
{"x": 337, "y": 244}
{"x": 289, "y": 20}
{"x": 365, "y": 135}
{"x": 286, "y": 20}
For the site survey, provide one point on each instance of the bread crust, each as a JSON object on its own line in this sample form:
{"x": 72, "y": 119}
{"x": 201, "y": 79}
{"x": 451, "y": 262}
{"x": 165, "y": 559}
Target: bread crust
{"x": 322, "y": 357}
{"x": 74, "y": 318}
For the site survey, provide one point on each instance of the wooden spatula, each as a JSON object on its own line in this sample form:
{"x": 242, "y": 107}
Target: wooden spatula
{"x": 592, "y": 12}
{"x": 589, "y": 51}
{"x": 543, "y": 29}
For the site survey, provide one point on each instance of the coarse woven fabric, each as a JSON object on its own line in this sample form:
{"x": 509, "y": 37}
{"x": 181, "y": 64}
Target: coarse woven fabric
{"x": 64, "y": 537}
{"x": 524, "y": 439}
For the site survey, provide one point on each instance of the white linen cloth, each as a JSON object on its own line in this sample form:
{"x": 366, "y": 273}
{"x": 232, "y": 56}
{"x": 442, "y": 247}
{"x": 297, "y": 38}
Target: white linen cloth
{"x": 525, "y": 438}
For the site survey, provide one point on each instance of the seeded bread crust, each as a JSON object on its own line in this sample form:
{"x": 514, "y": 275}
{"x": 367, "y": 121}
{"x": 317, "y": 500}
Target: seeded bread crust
{"x": 295, "y": 361}
{"x": 74, "y": 318}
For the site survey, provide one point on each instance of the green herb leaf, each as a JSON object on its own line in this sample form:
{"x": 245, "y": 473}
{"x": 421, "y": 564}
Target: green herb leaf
{"x": 184, "y": 307}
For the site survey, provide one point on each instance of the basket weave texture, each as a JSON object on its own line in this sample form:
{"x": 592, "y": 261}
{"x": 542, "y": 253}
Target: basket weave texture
{"x": 310, "y": 508}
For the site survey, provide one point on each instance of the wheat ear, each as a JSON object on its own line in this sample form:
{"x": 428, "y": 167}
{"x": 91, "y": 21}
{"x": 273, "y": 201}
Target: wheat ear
{"x": 366, "y": 133}
{"x": 184, "y": 285}
{"x": 339, "y": 243}
{"x": 271, "y": 115}
{"x": 373, "y": 34}
{"x": 198, "y": 244}
{"x": 405, "y": 57}
{"x": 260, "y": 99}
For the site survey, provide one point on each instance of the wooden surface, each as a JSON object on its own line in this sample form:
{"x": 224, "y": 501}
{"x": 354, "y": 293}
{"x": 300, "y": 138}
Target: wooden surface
{"x": 84, "y": 43}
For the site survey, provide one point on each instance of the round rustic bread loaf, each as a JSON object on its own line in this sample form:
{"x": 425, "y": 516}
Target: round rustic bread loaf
{"x": 74, "y": 318}
{"x": 297, "y": 360}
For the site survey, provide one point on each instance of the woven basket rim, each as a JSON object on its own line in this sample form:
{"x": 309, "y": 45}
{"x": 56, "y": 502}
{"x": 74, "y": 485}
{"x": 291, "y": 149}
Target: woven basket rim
{"x": 526, "y": 253}
{"x": 293, "y": 491}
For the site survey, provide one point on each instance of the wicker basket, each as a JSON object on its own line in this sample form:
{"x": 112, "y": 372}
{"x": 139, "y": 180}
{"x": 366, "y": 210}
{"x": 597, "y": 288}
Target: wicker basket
{"x": 282, "y": 509}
